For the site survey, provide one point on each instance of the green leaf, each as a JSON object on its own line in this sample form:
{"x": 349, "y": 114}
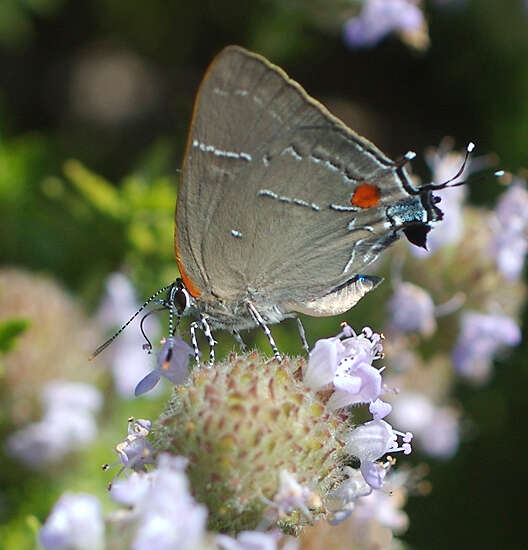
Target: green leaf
{"x": 99, "y": 192}
{"x": 9, "y": 331}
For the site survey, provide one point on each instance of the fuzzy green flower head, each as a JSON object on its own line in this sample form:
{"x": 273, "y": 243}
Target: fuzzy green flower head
{"x": 271, "y": 443}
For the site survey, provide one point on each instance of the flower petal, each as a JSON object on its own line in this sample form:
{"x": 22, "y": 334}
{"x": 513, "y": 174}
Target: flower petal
{"x": 147, "y": 383}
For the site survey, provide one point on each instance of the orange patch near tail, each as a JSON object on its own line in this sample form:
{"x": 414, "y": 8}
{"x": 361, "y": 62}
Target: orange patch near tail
{"x": 192, "y": 289}
{"x": 366, "y": 196}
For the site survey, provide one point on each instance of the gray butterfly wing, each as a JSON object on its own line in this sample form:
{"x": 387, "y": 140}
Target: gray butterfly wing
{"x": 264, "y": 207}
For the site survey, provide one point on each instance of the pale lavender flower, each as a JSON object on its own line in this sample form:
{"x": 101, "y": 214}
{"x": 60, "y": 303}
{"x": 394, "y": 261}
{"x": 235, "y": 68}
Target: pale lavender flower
{"x": 379, "y": 409}
{"x": 128, "y": 361}
{"x": 323, "y": 361}
{"x": 382, "y": 507}
{"x": 168, "y": 516}
{"x": 378, "y": 18}
{"x": 355, "y": 381}
{"x": 371, "y": 441}
{"x": 50, "y": 440}
{"x": 135, "y": 450}
{"x": 328, "y": 352}
{"x": 68, "y": 424}
{"x": 345, "y": 365}
{"x": 249, "y": 540}
{"x": 412, "y": 310}
{"x": 342, "y": 500}
{"x": 510, "y": 231}
{"x": 413, "y": 410}
{"x": 436, "y": 429}
{"x": 443, "y": 440}
{"x": 132, "y": 489}
{"x": 119, "y": 302}
{"x": 173, "y": 364}
{"x": 75, "y": 523}
{"x": 291, "y": 495}
{"x": 482, "y": 336}
{"x": 74, "y": 395}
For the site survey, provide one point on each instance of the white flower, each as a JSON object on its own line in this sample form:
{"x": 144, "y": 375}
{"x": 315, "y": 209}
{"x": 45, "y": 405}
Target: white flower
{"x": 75, "y": 523}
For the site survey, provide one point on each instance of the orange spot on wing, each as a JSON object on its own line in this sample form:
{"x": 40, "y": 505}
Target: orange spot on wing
{"x": 192, "y": 289}
{"x": 366, "y": 196}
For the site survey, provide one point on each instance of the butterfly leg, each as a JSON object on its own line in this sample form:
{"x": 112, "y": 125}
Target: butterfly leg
{"x": 262, "y": 324}
{"x": 302, "y": 334}
{"x": 211, "y": 341}
{"x": 194, "y": 341}
{"x": 238, "y": 339}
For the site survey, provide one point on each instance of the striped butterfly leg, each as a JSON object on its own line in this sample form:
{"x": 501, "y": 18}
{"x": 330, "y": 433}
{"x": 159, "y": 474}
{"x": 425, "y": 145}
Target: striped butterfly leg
{"x": 192, "y": 329}
{"x": 203, "y": 325}
{"x": 302, "y": 335}
{"x": 259, "y": 321}
{"x": 206, "y": 329}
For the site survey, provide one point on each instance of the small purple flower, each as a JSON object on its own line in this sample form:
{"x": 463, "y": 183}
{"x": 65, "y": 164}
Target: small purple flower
{"x": 135, "y": 450}
{"x": 346, "y": 366}
{"x": 412, "y": 310}
{"x": 323, "y": 361}
{"x": 128, "y": 361}
{"x": 68, "y": 424}
{"x": 168, "y": 515}
{"x": 481, "y": 337}
{"x": 355, "y": 381}
{"x": 132, "y": 489}
{"x": 379, "y": 409}
{"x": 372, "y": 440}
{"x": 510, "y": 231}
{"x": 384, "y": 508}
{"x": 173, "y": 364}
{"x": 343, "y": 499}
{"x": 379, "y": 18}
{"x": 443, "y": 440}
{"x": 60, "y": 393}
{"x": 75, "y": 523}
{"x": 413, "y": 410}
{"x": 291, "y": 495}
{"x": 436, "y": 429}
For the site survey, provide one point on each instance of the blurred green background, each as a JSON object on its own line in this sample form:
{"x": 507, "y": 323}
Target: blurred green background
{"x": 95, "y": 102}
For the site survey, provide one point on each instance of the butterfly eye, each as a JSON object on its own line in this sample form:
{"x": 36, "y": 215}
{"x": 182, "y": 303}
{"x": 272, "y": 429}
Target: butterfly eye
{"x": 180, "y": 298}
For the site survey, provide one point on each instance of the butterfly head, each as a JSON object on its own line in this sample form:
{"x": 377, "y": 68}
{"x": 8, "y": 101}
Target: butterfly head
{"x": 419, "y": 213}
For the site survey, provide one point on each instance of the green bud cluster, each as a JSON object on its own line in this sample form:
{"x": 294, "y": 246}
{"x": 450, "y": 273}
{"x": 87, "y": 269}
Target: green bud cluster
{"x": 243, "y": 422}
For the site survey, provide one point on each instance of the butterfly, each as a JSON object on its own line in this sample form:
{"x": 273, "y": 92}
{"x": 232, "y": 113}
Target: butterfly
{"x": 281, "y": 206}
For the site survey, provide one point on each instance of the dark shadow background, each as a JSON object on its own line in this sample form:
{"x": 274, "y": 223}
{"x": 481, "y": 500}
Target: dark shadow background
{"x": 472, "y": 84}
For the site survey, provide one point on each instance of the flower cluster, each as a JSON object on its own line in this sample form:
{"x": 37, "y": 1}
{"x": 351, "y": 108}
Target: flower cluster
{"x": 268, "y": 445}
{"x": 54, "y": 346}
{"x": 510, "y": 231}
{"x": 481, "y": 337}
{"x": 68, "y": 424}
{"x": 469, "y": 316}
{"x": 378, "y": 18}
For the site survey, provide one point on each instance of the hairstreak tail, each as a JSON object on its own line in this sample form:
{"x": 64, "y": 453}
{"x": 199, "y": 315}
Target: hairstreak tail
{"x": 280, "y": 206}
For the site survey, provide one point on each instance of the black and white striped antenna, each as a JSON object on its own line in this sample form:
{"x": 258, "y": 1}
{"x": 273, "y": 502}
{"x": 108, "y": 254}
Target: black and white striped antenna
{"x": 102, "y": 347}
